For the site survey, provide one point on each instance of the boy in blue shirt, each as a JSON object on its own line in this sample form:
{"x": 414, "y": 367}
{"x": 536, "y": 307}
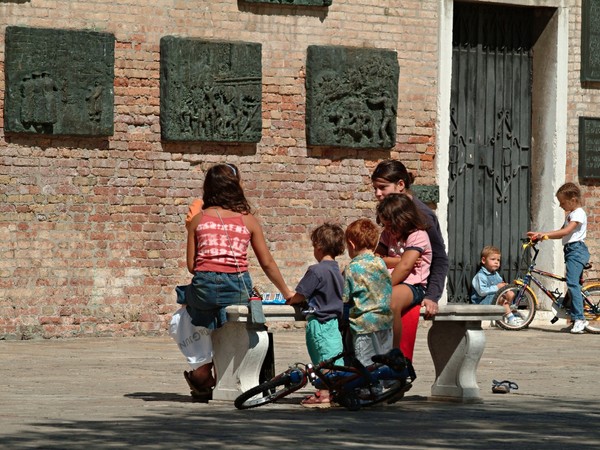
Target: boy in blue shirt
{"x": 321, "y": 287}
{"x": 487, "y": 282}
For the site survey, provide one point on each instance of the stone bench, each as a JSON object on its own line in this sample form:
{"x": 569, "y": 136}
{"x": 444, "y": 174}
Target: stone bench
{"x": 456, "y": 342}
{"x": 240, "y": 348}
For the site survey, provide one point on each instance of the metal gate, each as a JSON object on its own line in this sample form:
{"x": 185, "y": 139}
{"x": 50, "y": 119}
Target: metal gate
{"x": 490, "y": 138}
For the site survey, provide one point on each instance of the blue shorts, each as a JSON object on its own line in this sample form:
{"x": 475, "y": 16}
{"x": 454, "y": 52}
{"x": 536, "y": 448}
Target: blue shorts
{"x": 418, "y": 292}
{"x": 211, "y": 292}
{"x": 323, "y": 340}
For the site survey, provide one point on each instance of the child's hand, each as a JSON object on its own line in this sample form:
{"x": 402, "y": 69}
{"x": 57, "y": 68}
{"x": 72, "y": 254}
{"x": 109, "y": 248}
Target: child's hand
{"x": 536, "y": 236}
{"x": 294, "y": 299}
{"x": 501, "y": 285}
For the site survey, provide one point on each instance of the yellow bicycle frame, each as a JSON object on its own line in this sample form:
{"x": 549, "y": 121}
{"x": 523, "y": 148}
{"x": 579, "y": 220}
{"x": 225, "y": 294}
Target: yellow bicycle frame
{"x": 535, "y": 299}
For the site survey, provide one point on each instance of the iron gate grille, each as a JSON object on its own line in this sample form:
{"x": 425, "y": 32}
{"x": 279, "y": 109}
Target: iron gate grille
{"x": 490, "y": 136}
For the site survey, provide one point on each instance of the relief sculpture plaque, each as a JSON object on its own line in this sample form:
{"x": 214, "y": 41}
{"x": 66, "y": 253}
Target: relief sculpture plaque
{"x": 352, "y": 97}
{"x": 589, "y": 148}
{"x": 293, "y": 2}
{"x": 210, "y": 91}
{"x": 59, "y": 82}
{"x": 590, "y": 41}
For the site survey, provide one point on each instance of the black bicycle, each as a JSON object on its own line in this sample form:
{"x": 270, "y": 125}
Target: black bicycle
{"x": 352, "y": 386}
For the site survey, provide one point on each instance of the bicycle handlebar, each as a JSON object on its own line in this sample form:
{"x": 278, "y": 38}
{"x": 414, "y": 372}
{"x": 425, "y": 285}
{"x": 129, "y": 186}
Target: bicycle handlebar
{"x": 532, "y": 241}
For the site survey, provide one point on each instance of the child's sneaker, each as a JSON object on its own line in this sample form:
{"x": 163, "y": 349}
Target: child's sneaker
{"x": 579, "y": 326}
{"x": 513, "y": 321}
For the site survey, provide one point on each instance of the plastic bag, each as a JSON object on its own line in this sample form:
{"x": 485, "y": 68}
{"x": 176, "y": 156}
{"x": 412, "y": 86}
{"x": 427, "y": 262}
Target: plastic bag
{"x": 194, "y": 342}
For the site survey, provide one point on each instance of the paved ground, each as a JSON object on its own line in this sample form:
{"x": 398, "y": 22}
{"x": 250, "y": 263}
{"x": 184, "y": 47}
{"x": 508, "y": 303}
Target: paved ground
{"x": 124, "y": 393}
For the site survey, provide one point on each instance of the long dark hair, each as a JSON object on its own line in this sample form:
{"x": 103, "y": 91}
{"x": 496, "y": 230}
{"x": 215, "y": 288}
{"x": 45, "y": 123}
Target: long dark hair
{"x": 393, "y": 171}
{"x": 222, "y": 188}
{"x": 402, "y": 215}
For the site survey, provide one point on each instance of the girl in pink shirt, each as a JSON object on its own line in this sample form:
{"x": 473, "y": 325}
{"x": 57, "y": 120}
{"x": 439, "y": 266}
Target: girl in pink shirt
{"x": 217, "y": 256}
{"x": 406, "y": 237}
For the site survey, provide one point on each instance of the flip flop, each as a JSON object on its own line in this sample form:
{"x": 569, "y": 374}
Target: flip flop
{"x": 503, "y": 387}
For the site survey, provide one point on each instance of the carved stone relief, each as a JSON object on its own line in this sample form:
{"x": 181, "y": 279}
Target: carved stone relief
{"x": 294, "y": 2}
{"x": 426, "y": 193}
{"x": 590, "y": 41}
{"x": 210, "y": 91}
{"x": 352, "y": 96}
{"x": 59, "y": 82}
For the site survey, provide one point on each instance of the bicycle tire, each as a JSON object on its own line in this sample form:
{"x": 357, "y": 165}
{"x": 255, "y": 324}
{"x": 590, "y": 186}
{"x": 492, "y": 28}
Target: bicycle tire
{"x": 391, "y": 394}
{"x": 271, "y": 391}
{"x": 348, "y": 400}
{"x": 353, "y": 400}
{"x": 591, "y": 292}
{"x": 522, "y": 305}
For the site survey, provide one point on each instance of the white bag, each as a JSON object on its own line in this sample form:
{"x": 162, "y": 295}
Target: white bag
{"x": 194, "y": 342}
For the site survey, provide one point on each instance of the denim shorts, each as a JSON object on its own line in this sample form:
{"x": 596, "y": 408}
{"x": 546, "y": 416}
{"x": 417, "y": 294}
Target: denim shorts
{"x": 211, "y": 292}
{"x": 418, "y": 292}
{"x": 487, "y": 300}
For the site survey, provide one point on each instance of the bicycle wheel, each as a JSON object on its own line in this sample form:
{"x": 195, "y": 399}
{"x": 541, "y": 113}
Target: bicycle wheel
{"x": 521, "y": 304}
{"x": 389, "y": 390}
{"x": 591, "y": 310}
{"x": 271, "y": 390}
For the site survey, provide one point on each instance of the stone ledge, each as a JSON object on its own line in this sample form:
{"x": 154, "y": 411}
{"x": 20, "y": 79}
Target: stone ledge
{"x": 461, "y": 313}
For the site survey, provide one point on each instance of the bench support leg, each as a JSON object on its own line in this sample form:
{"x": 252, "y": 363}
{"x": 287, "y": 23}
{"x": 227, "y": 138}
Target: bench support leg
{"x": 456, "y": 348}
{"x": 239, "y": 352}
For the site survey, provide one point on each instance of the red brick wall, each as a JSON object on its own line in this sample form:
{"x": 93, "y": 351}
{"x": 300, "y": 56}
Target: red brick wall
{"x": 583, "y": 101}
{"x": 91, "y": 231}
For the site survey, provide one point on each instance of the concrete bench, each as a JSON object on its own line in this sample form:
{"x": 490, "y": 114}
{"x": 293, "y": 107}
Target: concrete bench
{"x": 456, "y": 342}
{"x": 240, "y": 348}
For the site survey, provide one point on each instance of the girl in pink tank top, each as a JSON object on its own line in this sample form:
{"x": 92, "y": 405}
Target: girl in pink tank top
{"x": 217, "y": 257}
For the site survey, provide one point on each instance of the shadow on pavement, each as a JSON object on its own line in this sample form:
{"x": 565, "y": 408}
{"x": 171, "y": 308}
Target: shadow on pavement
{"x": 547, "y": 424}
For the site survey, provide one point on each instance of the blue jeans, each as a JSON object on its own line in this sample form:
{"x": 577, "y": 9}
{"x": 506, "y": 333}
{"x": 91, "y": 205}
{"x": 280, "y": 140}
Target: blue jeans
{"x": 487, "y": 300}
{"x": 577, "y": 256}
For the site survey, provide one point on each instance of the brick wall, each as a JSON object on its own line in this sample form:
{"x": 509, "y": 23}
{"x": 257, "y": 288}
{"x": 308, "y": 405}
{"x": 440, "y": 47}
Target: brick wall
{"x": 583, "y": 101}
{"x": 91, "y": 230}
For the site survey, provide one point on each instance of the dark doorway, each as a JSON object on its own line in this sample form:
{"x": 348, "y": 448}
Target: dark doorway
{"x": 490, "y": 138}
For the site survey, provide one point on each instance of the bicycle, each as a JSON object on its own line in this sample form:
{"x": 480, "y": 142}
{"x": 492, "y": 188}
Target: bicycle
{"x": 524, "y": 302}
{"x": 352, "y": 386}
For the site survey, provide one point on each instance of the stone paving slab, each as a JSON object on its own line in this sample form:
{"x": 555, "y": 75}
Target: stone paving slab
{"x": 130, "y": 393}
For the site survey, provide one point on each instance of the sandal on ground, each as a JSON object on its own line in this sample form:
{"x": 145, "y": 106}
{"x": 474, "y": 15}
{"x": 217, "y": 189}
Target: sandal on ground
{"x": 503, "y": 387}
{"x": 318, "y": 400}
{"x": 201, "y": 392}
